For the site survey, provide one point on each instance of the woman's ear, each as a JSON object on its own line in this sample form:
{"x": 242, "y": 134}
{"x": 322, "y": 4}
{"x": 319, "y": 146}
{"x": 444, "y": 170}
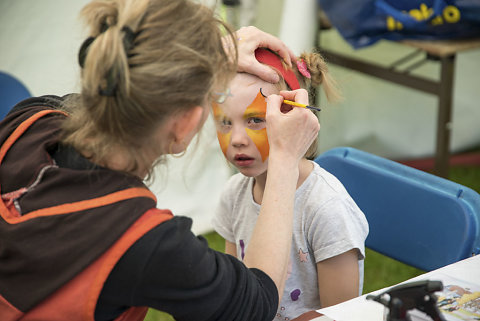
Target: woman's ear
{"x": 187, "y": 124}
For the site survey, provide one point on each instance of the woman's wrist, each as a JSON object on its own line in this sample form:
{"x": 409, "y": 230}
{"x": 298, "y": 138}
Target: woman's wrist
{"x": 283, "y": 162}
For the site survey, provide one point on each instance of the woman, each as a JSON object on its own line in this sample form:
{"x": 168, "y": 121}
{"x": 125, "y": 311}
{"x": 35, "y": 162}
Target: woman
{"x": 81, "y": 235}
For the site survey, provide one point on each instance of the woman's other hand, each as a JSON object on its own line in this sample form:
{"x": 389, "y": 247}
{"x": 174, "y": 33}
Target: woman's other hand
{"x": 251, "y": 38}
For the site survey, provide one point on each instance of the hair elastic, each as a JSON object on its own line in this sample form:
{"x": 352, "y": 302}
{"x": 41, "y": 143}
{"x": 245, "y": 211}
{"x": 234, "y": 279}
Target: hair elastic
{"x": 128, "y": 40}
{"x": 303, "y": 69}
{"x": 82, "y": 53}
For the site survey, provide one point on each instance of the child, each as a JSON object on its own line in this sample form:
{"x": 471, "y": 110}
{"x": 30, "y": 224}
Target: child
{"x": 326, "y": 262}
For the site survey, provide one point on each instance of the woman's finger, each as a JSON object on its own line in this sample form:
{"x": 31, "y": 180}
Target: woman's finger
{"x": 299, "y": 95}
{"x": 264, "y": 72}
{"x": 273, "y": 43}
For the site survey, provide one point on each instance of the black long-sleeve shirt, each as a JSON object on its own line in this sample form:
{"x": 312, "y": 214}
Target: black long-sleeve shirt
{"x": 172, "y": 270}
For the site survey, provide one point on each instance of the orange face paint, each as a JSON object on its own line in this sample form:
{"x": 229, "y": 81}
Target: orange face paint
{"x": 257, "y": 109}
{"x": 223, "y": 138}
{"x": 259, "y": 137}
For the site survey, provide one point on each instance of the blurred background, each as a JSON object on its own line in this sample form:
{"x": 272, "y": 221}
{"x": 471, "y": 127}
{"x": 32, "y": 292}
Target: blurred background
{"x": 39, "y": 45}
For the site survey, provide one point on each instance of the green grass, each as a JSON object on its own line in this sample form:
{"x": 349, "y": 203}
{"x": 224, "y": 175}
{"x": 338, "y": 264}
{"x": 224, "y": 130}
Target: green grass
{"x": 466, "y": 175}
{"x": 380, "y": 271}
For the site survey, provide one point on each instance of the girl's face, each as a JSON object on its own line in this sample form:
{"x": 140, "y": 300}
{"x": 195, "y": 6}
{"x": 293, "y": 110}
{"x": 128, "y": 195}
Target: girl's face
{"x": 241, "y": 127}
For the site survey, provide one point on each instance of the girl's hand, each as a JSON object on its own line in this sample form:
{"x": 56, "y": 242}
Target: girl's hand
{"x": 251, "y": 38}
{"x": 290, "y": 130}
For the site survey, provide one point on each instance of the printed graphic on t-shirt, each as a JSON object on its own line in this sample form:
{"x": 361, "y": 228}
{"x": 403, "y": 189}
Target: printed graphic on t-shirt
{"x": 303, "y": 256}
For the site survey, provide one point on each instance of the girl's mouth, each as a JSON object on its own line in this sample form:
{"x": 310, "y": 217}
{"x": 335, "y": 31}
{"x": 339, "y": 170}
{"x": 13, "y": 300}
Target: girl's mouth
{"x": 242, "y": 160}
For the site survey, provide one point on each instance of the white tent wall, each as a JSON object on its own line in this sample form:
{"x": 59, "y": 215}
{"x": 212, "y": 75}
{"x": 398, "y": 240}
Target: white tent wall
{"x": 39, "y": 44}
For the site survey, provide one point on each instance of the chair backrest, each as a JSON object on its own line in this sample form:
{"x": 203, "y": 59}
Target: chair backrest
{"x": 414, "y": 217}
{"x": 11, "y": 92}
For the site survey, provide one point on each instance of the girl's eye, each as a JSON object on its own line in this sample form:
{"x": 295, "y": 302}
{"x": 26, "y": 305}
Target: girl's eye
{"x": 256, "y": 123}
{"x": 224, "y": 125}
{"x": 225, "y": 122}
{"x": 257, "y": 120}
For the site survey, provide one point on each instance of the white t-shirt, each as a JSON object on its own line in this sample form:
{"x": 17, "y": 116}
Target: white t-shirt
{"x": 327, "y": 222}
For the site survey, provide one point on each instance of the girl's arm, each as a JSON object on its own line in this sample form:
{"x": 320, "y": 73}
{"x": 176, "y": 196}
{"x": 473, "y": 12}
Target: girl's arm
{"x": 230, "y": 248}
{"x": 338, "y": 278}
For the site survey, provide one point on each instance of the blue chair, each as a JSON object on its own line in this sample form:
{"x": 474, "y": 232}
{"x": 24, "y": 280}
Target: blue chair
{"x": 415, "y": 217}
{"x": 11, "y": 92}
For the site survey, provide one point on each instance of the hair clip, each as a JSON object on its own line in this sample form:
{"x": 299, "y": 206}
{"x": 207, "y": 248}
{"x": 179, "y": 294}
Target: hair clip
{"x": 302, "y": 68}
{"x": 222, "y": 96}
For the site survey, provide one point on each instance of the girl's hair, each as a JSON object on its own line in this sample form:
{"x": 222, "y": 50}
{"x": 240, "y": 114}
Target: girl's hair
{"x": 319, "y": 75}
{"x": 145, "y": 60}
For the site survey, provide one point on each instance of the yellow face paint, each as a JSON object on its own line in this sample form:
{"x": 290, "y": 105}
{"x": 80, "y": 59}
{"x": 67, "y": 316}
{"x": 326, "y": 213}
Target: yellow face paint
{"x": 257, "y": 109}
{"x": 259, "y": 137}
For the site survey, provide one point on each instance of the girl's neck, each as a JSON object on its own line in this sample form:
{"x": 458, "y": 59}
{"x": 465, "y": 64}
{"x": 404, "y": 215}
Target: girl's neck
{"x": 305, "y": 167}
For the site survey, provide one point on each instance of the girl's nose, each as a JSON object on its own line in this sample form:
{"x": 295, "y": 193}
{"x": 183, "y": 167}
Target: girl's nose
{"x": 239, "y": 136}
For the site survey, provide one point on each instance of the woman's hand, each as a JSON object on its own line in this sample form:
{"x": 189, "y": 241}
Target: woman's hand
{"x": 251, "y": 38}
{"x": 290, "y": 130}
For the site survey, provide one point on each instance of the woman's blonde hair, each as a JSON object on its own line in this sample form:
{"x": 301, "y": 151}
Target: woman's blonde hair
{"x": 145, "y": 60}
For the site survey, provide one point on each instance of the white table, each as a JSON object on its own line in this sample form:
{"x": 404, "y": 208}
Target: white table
{"x": 361, "y": 309}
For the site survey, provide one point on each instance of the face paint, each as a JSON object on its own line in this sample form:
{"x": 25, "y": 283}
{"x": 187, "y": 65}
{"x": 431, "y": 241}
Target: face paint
{"x": 258, "y": 108}
{"x": 254, "y": 117}
{"x": 223, "y": 137}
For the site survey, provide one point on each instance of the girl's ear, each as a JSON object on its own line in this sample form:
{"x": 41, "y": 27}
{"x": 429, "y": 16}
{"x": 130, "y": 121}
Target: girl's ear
{"x": 187, "y": 124}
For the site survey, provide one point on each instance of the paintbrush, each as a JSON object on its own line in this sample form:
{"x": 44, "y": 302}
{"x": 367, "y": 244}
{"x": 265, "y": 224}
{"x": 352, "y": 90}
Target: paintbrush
{"x": 295, "y": 104}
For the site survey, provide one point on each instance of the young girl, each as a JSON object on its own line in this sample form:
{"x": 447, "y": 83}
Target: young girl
{"x": 327, "y": 252}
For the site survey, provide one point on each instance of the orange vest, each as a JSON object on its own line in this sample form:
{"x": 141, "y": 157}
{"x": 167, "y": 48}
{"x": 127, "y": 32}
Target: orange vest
{"x": 76, "y": 300}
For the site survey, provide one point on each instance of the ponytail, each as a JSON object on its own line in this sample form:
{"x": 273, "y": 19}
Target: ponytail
{"x": 320, "y": 76}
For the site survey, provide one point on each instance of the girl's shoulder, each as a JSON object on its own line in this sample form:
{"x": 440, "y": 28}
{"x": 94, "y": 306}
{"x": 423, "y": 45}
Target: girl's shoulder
{"x": 322, "y": 181}
{"x": 325, "y": 196}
